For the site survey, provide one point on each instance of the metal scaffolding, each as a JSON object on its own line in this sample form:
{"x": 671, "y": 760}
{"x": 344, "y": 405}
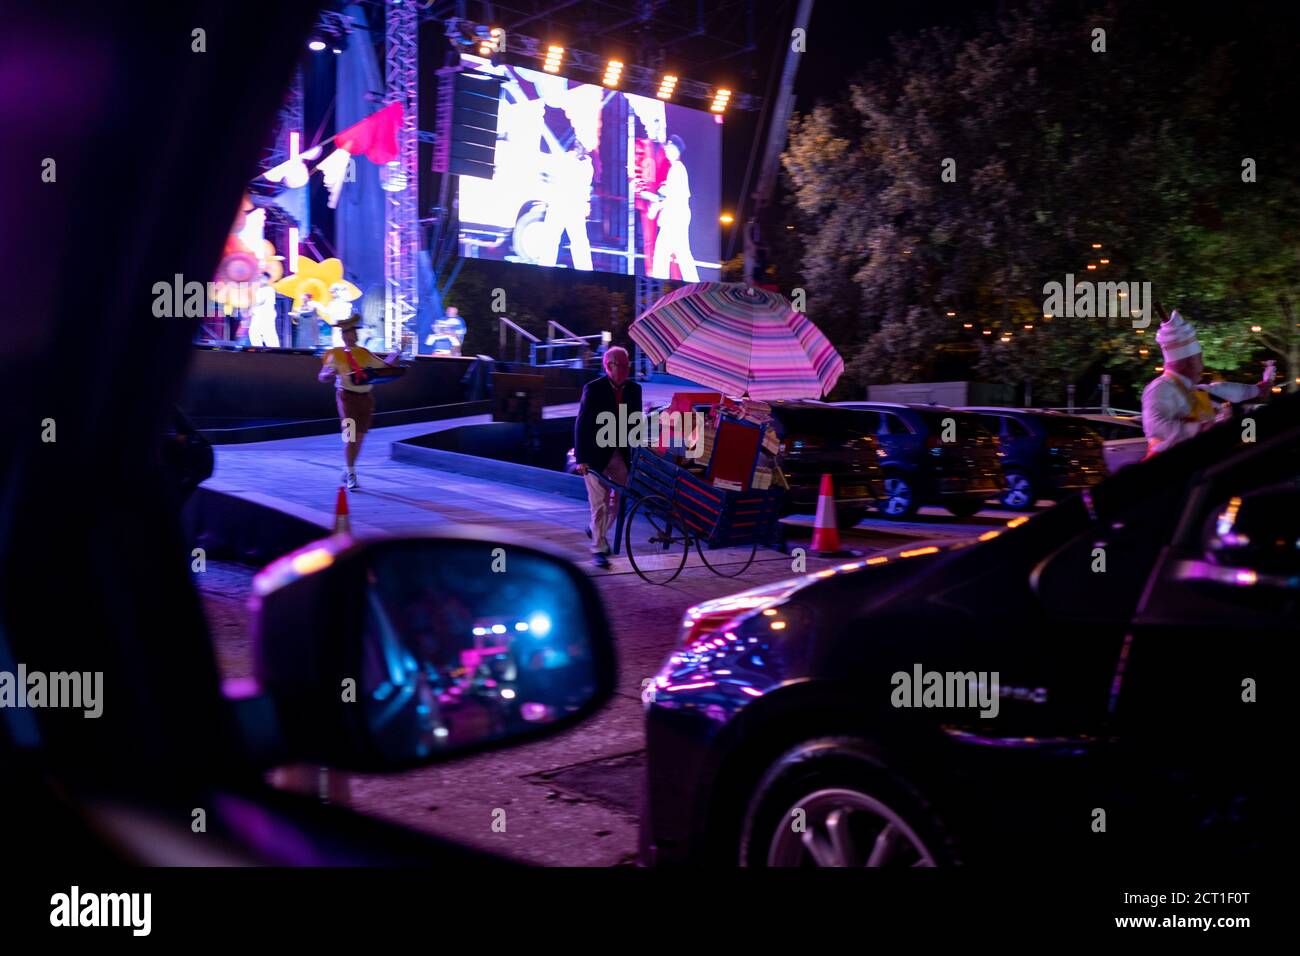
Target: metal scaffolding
{"x": 402, "y": 177}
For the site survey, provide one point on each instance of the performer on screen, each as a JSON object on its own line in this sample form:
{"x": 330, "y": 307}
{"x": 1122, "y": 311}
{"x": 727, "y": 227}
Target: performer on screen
{"x": 651, "y": 170}
{"x": 352, "y": 395}
{"x": 568, "y": 208}
{"x": 674, "y": 201}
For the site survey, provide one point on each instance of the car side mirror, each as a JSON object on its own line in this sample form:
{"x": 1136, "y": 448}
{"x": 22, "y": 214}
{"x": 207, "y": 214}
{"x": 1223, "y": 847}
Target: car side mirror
{"x": 393, "y": 653}
{"x": 1252, "y": 540}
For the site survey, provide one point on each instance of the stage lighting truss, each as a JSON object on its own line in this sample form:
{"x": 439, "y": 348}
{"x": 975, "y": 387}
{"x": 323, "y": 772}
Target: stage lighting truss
{"x": 330, "y": 33}
{"x": 599, "y": 68}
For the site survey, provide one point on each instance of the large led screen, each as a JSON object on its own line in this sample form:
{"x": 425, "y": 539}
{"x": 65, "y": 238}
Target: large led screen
{"x": 595, "y": 179}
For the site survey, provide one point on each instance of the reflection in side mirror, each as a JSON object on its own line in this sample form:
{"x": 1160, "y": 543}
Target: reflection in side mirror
{"x": 455, "y": 654}
{"x": 396, "y": 652}
{"x": 1252, "y": 541}
{"x": 1259, "y": 531}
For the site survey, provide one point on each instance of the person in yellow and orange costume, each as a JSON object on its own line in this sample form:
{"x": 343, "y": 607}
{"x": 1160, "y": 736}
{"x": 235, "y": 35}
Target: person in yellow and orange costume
{"x": 321, "y": 286}
{"x": 352, "y": 393}
{"x": 1176, "y": 405}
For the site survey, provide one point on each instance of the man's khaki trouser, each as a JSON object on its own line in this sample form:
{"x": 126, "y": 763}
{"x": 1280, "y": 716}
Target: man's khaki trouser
{"x": 604, "y": 502}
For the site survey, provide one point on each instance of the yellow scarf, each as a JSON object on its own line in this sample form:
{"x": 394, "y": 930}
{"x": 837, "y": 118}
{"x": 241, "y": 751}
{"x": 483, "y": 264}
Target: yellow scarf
{"x": 1202, "y": 404}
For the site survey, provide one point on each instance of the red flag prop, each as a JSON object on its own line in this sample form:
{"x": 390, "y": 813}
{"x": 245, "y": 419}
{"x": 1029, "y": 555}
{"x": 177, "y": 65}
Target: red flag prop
{"x": 375, "y": 137}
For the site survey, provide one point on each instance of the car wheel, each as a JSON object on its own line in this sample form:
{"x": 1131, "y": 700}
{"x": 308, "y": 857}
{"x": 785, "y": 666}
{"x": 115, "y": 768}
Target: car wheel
{"x": 833, "y": 802}
{"x": 898, "y": 500}
{"x": 849, "y": 517}
{"x": 965, "y": 507}
{"x": 1021, "y": 493}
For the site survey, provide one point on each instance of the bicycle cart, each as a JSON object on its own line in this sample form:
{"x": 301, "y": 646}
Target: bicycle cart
{"x": 665, "y": 507}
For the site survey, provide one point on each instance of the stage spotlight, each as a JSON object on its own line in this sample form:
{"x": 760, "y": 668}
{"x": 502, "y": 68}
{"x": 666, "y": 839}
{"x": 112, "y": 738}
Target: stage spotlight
{"x": 554, "y": 55}
{"x": 493, "y": 40}
{"x": 315, "y": 45}
{"x": 720, "y": 100}
{"x": 666, "y": 87}
{"x": 613, "y": 71}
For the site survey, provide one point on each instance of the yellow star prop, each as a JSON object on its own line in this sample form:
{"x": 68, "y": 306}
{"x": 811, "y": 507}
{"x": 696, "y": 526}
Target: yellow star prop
{"x": 316, "y": 278}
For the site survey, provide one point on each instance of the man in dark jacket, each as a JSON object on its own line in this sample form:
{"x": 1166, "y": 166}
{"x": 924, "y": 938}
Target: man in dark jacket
{"x": 609, "y": 409}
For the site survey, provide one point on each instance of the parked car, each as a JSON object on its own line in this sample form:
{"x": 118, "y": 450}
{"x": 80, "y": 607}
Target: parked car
{"x": 777, "y": 733}
{"x": 818, "y": 439}
{"x": 1043, "y": 455}
{"x": 933, "y": 455}
{"x": 1123, "y": 440}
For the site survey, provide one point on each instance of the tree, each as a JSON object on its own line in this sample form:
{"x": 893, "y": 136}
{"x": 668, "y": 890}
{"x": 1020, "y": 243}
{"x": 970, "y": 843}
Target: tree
{"x": 957, "y": 178}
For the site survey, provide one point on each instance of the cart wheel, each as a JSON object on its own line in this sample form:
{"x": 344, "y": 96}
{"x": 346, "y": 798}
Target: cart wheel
{"x": 729, "y": 561}
{"x": 657, "y": 540}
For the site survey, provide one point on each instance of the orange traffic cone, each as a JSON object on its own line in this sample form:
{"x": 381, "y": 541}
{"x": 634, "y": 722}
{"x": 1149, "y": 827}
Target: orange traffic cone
{"x": 342, "y": 520}
{"x": 826, "y": 533}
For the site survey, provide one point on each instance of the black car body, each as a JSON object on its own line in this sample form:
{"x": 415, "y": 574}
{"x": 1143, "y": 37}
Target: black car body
{"x": 932, "y": 455}
{"x": 1043, "y": 455}
{"x": 818, "y": 439}
{"x": 1127, "y": 624}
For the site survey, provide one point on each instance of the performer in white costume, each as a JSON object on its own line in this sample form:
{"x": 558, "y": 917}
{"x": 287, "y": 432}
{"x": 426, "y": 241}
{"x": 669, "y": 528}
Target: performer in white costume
{"x": 674, "y": 238}
{"x": 261, "y": 330}
{"x": 1176, "y": 406}
{"x": 569, "y": 202}
{"x": 339, "y": 310}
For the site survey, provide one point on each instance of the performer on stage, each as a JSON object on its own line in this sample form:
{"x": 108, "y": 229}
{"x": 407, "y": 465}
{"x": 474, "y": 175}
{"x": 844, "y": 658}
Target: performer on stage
{"x": 674, "y": 239}
{"x": 1176, "y": 406}
{"x": 306, "y": 322}
{"x": 448, "y": 334}
{"x": 261, "y": 330}
{"x": 352, "y": 395}
{"x": 338, "y": 311}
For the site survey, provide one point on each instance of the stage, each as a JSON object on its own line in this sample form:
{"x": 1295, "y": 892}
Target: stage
{"x": 236, "y": 396}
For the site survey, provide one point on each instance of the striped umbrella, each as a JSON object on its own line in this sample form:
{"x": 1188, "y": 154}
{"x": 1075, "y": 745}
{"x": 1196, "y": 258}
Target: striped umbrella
{"x": 739, "y": 340}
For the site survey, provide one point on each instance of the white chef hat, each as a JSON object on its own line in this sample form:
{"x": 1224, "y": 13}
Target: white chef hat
{"x": 1177, "y": 338}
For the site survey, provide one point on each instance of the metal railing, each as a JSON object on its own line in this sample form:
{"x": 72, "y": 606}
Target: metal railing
{"x": 545, "y": 353}
{"x": 506, "y": 327}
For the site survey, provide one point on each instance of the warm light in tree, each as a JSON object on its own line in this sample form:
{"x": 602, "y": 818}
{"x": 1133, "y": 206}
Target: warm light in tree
{"x": 1256, "y": 328}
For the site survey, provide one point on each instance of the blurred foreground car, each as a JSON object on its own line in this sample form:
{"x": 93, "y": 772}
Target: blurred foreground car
{"x": 1117, "y": 632}
{"x": 931, "y": 455}
{"x": 1043, "y": 455}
